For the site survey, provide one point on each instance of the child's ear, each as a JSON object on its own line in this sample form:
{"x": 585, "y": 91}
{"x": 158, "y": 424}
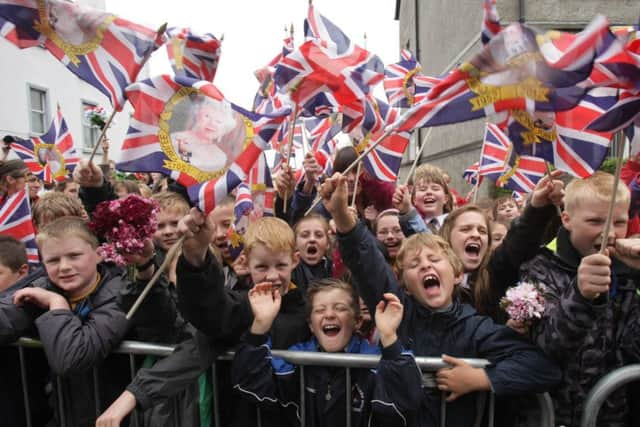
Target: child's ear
{"x": 242, "y": 260}
{"x": 295, "y": 258}
{"x": 23, "y": 270}
{"x": 458, "y": 279}
{"x": 566, "y": 219}
{"x": 99, "y": 255}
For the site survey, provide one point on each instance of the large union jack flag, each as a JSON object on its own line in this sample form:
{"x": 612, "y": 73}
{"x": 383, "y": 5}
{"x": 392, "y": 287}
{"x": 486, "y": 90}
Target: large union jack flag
{"x": 185, "y": 128}
{"x": 561, "y": 138}
{"x": 15, "y": 221}
{"x": 52, "y": 156}
{"x": 193, "y": 55}
{"x": 503, "y": 165}
{"x": 103, "y": 50}
{"x": 328, "y": 62}
{"x": 321, "y": 132}
{"x": 399, "y": 84}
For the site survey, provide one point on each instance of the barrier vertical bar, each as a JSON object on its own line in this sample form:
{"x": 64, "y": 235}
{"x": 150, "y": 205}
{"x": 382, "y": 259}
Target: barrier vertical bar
{"x": 214, "y": 392}
{"x": 492, "y": 406}
{"x": 443, "y": 409}
{"x": 96, "y": 390}
{"x": 132, "y": 372}
{"x": 25, "y": 389}
{"x": 175, "y": 411}
{"x": 63, "y": 421}
{"x": 347, "y": 395}
{"x": 258, "y": 416}
{"x": 303, "y": 421}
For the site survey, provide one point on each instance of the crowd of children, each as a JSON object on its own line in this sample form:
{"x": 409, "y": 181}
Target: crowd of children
{"x": 397, "y": 271}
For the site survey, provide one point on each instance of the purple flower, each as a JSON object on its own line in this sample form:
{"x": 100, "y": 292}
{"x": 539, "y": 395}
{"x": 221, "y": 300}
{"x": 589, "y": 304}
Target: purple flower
{"x": 524, "y": 302}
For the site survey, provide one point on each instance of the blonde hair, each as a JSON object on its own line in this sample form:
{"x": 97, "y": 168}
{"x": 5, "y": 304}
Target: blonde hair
{"x": 64, "y": 228}
{"x": 312, "y": 217}
{"x": 171, "y": 201}
{"x": 597, "y": 186}
{"x": 431, "y": 173}
{"x": 417, "y": 242}
{"x": 271, "y": 232}
{"x": 54, "y": 205}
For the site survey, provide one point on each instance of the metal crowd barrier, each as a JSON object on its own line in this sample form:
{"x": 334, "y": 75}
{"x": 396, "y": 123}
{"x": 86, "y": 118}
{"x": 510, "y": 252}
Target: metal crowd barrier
{"x": 603, "y": 388}
{"x": 302, "y": 359}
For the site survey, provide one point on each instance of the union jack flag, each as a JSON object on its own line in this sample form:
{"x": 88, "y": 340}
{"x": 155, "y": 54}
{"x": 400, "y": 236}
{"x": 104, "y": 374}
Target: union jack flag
{"x": 327, "y": 62}
{"x": 103, "y": 50}
{"x": 15, "y": 221}
{"x": 9, "y": 32}
{"x": 261, "y": 186}
{"x": 399, "y": 82}
{"x": 321, "y": 133}
{"x": 618, "y": 116}
{"x": 470, "y": 174}
{"x": 52, "y": 156}
{"x": 490, "y": 21}
{"x": 192, "y": 55}
{"x": 267, "y": 99}
{"x": 502, "y": 164}
{"x": 561, "y": 138}
{"x": 186, "y": 129}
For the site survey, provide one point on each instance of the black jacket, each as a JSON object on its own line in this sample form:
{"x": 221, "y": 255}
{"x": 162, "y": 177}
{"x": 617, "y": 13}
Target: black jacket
{"x": 517, "y": 366}
{"x": 587, "y": 338}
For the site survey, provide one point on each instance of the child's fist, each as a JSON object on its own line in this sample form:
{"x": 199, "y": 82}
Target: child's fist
{"x": 594, "y": 275}
{"x": 388, "y": 317}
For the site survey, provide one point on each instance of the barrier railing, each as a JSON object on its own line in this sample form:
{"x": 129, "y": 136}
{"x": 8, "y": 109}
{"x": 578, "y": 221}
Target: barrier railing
{"x": 603, "y": 388}
{"x": 302, "y": 359}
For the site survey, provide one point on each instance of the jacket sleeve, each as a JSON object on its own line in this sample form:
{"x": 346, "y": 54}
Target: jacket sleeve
{"x": 398, "y": 391}
{"x": 412, "y": 223}
{"x": 630, "y": 340}
{"x": 373, "y": 275}
{"x": 567, "y": 319}
{"x": 207, "y": 304}
{"x": 73, "y": 345}
{"x": 169, "y": 375}
{"x": 517, "y": 366}
{"x": 521, "y": 243}
{"x": 91, "y": 196}
{"x": 15, "y": 321}
{"x": 254, "y": 377}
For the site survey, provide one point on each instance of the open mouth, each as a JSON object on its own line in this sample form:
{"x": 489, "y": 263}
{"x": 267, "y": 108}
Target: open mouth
{"x": 431, "y": 281}
{"x": 472, "y": 249}
{"x": 429, "y": 200}
{"x": 312, "y": 250}
{"x": 331, "y": 330}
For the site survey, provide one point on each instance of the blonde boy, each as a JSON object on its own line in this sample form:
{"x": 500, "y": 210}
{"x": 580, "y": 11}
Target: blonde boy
{"x": 591, "y": 315}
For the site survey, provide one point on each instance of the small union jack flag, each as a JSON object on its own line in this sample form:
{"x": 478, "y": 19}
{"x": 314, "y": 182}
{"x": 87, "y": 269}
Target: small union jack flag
{"x": 327, "y": 62}
{"x": 322, "y": 132}
{"x": 502, "y": 164}
{"x": 103, "y": 50}
{"x": 15, "y": 221}
{"x": 490, "y": 21}
{"x": 470, "y": 174}
{"x": 185, "y": 128}
{"x": 52, "y": 156}
{"x": 193, "y": 55}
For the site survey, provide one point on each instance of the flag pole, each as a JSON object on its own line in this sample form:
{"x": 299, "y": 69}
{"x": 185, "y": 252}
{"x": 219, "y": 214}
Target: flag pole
{"x": 160, "y": 31}
{"x": 292, "y": 126}
{"x": 355, "y": 185}
{"x": 618, "y": 139}
{"x": 476, "y": 187}
{"x": 171, "y": 254}
{"x": 550, "y": 180}
{"x": 418, "y": 156}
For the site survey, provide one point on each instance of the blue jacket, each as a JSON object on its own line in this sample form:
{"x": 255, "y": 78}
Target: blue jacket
{"x": 517, "y": 366}
{"x": 275, "y": 382}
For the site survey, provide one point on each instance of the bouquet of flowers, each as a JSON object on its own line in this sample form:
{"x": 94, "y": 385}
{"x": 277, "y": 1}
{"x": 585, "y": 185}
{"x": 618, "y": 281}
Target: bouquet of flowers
{"x": 126, "y": 224}
{"x": 96, "y": 115}
{"x": 525, "y": 301}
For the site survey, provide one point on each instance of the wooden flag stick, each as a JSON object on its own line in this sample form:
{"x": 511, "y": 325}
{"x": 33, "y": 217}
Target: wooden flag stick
{"x": 418, "y": 156}
{"x": 161, "y": 30}
{"x": 551, "y": 180}
{"x": 618, "y": 139}
{"x": 292, "y": 126}
{"x": 171, "y": 254}
{"x": 355, "y": 186}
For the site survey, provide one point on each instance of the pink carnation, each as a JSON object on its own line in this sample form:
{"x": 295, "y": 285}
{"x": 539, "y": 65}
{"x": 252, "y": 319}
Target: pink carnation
{"x": 125, "y": 224}
{"x": 525, "y": 301}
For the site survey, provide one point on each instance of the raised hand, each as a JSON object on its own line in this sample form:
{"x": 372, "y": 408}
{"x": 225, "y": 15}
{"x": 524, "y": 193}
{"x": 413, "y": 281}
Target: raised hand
{"x": 265, "y": 303}
{"x": 628, "y": 251}
{"x": 401, "y": 199}
{"x": 548, "y": 191}
{"x": 335, "y": 196}
{"x": 285, "y": 182}
{"x": 312, "y": 170}
{"x": 198, "y": 229}
{"x": 388, "y": 317}
{"x": 88, "y": 174}
{"x": 461, "y": 378}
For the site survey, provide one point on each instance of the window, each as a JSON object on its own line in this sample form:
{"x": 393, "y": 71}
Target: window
{"x": 38, "y": 110}
{"x": 90, "y": 132}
